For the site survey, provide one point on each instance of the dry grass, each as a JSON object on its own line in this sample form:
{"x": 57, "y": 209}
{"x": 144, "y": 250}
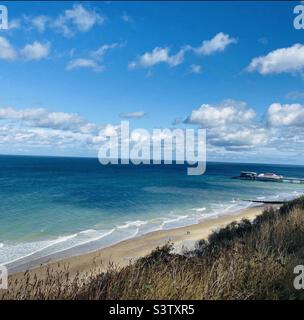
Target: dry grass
{"x": 246, "y": 260}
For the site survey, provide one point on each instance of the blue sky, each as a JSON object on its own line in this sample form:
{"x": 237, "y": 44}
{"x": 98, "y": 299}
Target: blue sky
{"x": 71, "y": 69}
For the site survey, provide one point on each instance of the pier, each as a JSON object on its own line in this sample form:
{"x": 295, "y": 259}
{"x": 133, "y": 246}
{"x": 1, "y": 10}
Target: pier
{"x": 268, "y": 177}
{"x": 293, "y": 180}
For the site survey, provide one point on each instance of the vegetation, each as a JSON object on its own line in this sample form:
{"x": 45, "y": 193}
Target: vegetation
{"x": 245, "y": 260}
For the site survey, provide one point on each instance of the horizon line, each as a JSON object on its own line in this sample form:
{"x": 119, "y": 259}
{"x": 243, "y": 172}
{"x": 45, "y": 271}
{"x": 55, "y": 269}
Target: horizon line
{"x": 96, "y": 158}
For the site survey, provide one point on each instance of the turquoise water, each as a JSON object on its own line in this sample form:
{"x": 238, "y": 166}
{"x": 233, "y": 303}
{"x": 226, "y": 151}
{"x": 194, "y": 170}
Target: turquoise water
{"x": 55, "y": 207}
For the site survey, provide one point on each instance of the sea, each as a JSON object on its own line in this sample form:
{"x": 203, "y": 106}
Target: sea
{"x": 55, "y": 207}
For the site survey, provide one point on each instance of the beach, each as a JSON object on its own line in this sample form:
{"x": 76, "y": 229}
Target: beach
{"x": 125, "y": 252}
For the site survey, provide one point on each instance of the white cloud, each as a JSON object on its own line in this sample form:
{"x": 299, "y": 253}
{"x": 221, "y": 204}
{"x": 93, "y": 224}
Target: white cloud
{"x": 109, "y": 130}
{"x": 158, "y": 55}
{"x": 93, "y": 62}
{"x": 14, "y": 24}
{"x": 36, "y": 51}
{"x": 40, "y": 22}
{"x": 237, "y": 132}
{"x": 61, "y": 120}
{"x": 101, "y": 51}
{"x": 232, "y": 128}
{"x": 177, "y": 59}
{"x": 217, "y": 44}
{"x": 230, "y": 125}
{"x": 33, "y": 129}
{"x": 24, "y": 114}
{"x": 162, "y": 54}
{"x": 290, "y": 115}
{"x": 83, "y": 18}
{"x": 84, "y": 63}
{"x": 149, "y": 59}
{"x": 229, "y": 112}
{"x": 32, "y": 51}
{"x": 40, "y": 117}
{"x": 7, "y": 51}
{"x": 130, "y": 115}
{"x": 29, "y": 138}
{"x": 242, "y": 138}
{"x": 79, "y": 17}
{"x": 195, "y": 68}
{"x": 284, "y": 60}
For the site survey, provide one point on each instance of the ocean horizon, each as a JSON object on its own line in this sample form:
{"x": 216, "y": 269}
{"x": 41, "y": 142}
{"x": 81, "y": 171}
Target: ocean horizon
{"x": 55, "y": 207}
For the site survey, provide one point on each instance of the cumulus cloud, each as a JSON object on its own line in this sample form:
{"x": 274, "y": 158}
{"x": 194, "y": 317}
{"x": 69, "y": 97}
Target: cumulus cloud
{"x": 130, "y": 115}
{"x": 109, "y": 130}
{"x": 156, "y": 56}
{"x": 228, "y": 112}
{"x": 84, "y": 63}
{"x": 217, "y": 44}
{"x": 40, "y": 117}
{"x": 40, "y": 22}
{"x": 83, "y": 18}
{"x": 31, "y": 51}
{"x": 78, "y": 17}
{"x": 162, "y": 54}
{"x": 93, "y": 61}
{"x": 233, "y": 127}
{"x": 38, "y": 128}
{"x": 230, "y": 124}
{"x": 36, "y": 50}
{"x": 29, "y": 138}
{"x": 284, "y": 60}
{"x": 7, "y": 51}
{"x": 285, "y": 126}
{"x": 239, "y": 139}
{"x": 14, "y": 24}
{"x": 291, "y": 115}
{"x": 99, "y": 53}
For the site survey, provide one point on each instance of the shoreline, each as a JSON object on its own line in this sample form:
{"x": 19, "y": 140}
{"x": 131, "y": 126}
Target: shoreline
{"x": 128, "y": 251}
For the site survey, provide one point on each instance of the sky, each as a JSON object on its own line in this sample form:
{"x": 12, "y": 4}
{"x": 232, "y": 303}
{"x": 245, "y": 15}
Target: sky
{"x": 71, "y": 71}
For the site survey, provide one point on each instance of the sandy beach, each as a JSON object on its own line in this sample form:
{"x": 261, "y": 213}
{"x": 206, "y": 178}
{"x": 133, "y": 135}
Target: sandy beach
{"x": 128, "y": 251}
